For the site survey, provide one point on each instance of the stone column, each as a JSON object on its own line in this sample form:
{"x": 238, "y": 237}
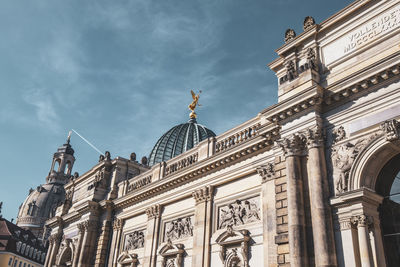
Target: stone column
{"x": 81, "y": 229}
{"x": 322, "y": 225}
{"x": 362, "y": 223}
{"x": 115, "y": 243}
{"x": 202, "y": 227}
{"x": 102, "y": 244}
{"x": 86, "y": 254}
{"x": 49, "y": 251}
{"x": 56, "y": 245}
{"x": 152, "y": 236}
{"x": 293, "y": 148}
{"x": 267, "y": 173}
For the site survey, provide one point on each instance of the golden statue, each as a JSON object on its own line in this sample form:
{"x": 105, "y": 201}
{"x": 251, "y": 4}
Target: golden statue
{"x": 194, "y": 103}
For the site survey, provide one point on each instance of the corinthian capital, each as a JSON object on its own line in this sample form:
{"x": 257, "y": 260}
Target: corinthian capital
{"x": 293, "y": 145}
{"x": 267, "y": 172}
{"x": 391, "y": 129}
{"x": 153, "y": 211}
{"x": 118, "y": 224}
{"x": 361, "y": 221}
{"x": 203, "y": 194}
{"x": 314, "y": 137}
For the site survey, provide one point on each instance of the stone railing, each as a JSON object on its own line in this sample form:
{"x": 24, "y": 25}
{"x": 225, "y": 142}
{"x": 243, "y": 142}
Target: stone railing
{"x": 241, "y": 135}
{"x": 181, "y": 163}
{"x": 139, "y": 182}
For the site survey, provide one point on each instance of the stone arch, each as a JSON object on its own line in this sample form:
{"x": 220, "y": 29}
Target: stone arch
{"x": 370, "y": 161}
{"x": 66, "y": 255}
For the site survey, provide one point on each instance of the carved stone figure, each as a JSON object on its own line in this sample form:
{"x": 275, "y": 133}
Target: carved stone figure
{"x": 238, "y": 213}
{"x": 290, "y": 70}
{"x": 179, "y": 228}
{"x": 308, "y": 23}
{"x": 134, "y": 240}
{"x": 311, "y": 59}
{"x": 144, "y": 161}
{"x": 338, "y": 134}
{"x": 391, "y": 129}
{"x": 107, "y": 155}
{"x": 290, "y": 34}
{"x": 133, "y": 156}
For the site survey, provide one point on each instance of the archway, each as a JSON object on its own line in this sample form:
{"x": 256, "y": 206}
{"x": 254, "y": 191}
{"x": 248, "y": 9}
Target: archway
{"x": 65, "y": 259}
{"x": 388, "y": 186}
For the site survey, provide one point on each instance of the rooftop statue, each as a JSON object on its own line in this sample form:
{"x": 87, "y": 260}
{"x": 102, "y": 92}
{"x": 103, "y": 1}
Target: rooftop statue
{"x": 194, "y": 103}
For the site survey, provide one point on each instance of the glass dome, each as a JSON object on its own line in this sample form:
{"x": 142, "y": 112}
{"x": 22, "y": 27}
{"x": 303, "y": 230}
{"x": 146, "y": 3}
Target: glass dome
{"x": 178, "y": 140}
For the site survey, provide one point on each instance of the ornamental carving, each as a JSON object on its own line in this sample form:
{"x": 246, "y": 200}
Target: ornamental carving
{"x": 172, "y": 254}
{"x": 290, "y": 34}
{"x": 128, "y": 259}
{"x": 203, "y": 194}
{"x": 361, "y": 221}
{"x": 234, "y": 247}
{"x": 239, "y": 212}
{"x": 134, "y": 240}
{"x": 153, "y": 211}
{"x": 293, "y": 145}
{"x": 338, "y": 134}
{"x": 314, "y": 137}
{"x": 343, "y": 157}
{"x": 179, "y": 228}
{"x": 99, "y": 180}
{"x": 391, "y": 129}
{"x": 308, "y": 23}
{"x": 311, "y": 59}
{"x": 118, "y": 224}
{"x": 267, "y": 172}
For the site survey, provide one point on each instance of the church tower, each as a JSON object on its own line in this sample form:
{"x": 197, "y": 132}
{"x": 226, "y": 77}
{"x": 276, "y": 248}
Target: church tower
{"x": 42, "y": 202}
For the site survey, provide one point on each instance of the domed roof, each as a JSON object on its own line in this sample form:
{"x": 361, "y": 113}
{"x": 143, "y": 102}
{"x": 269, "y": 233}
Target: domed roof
{"x": 178, "y": 140}
{"x": 40, "y": 205}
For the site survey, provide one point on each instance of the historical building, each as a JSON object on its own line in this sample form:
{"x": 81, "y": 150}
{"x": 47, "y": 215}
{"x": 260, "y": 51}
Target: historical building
{"x": 19, "y": 247}
{"x": 310, "y": 181}
{"x": 42, "y": 202}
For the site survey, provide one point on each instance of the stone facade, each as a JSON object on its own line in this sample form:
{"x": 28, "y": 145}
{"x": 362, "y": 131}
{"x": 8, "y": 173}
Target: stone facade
{"x": 300, "y": 184}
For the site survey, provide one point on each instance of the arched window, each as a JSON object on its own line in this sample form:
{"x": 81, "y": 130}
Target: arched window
{"x": 68, "y": 168}
{"x": 388, "y": 185}
{"x": 23, "y": 248}
{"x": 27, "y": 250}
{"x": 19, "y": 244}
{"x": 57, "y": 165}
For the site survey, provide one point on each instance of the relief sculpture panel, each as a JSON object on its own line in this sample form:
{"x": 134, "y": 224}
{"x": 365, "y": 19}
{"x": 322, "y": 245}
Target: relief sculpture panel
{"x": 179, "y": 228}
{"x": 134, "y": 240}
{"x": 239, "y": 212}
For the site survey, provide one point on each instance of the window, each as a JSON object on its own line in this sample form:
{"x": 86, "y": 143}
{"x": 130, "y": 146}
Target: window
{"x": 15, "y": 263}
{"x": 10, "y": 261}
{"x": 20, "y": 263}
{"x": 24, "y": 264}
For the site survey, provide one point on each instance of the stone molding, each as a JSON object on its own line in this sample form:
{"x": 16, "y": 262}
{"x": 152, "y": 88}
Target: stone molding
{"x": 391, "y": 129}
{"x": 203, "y": 194}
{"x": 267, "y": 171}
{"x": 238, "y": 244}
{"x": 293, "y": 145}
{"x": 154, "y": 211}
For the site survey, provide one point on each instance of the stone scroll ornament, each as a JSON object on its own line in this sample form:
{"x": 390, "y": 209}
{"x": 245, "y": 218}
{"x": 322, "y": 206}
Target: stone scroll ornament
{"x": 239, "y": 212}
{"x": 134, "y": 240}
{"x": 179, "y": 228}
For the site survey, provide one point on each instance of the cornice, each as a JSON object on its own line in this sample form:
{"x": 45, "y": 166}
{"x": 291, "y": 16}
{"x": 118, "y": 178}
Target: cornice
{"x": 246, "y": 149}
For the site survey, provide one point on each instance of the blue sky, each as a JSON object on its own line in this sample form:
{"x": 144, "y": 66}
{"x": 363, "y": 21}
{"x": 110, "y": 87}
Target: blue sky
{"x": 120, "y": 73}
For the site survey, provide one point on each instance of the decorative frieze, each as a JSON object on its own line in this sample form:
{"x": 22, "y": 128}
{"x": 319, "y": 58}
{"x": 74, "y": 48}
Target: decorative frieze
{"x": 178, "y": 229}
{"x": 239, "y": 212}
{"x": 391, "y": 129}
{"x": 267, "y": 172}
{"x": 153, "y": 212}
{"x": 134, "y": 240}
